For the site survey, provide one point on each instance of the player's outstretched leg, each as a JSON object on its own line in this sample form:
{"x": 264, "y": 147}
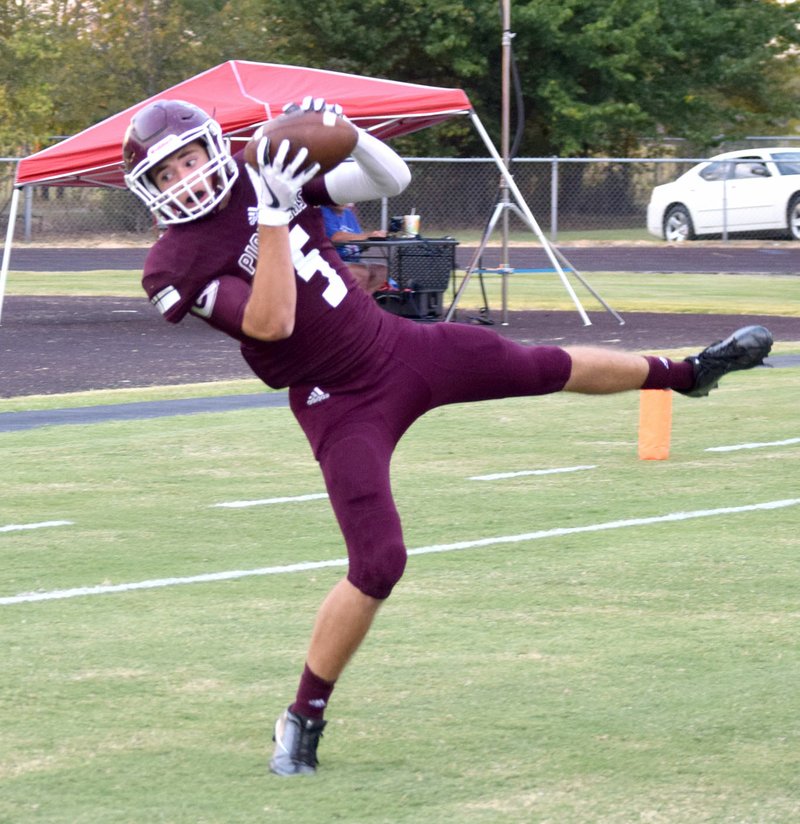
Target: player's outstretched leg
{"x": 744, "y": 349}
{"x": 296, "y": 739}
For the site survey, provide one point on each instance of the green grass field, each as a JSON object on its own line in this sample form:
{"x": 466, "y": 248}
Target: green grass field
{"x": 616, "y": 643}
{"x": 626, "y": 292}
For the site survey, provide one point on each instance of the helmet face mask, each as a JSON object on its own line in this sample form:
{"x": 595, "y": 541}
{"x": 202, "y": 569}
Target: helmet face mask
{"x": 159, "y": 131}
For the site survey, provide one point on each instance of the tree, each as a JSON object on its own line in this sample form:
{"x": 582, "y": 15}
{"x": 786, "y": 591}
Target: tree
{"x": 597, "y": 76}
{"x": 126, "y": 50}
{"x": 409, "y": 40}
{"x": 610, "y": 73}
{"x": 27, "y": 60}
{"x": 66, "y": 64}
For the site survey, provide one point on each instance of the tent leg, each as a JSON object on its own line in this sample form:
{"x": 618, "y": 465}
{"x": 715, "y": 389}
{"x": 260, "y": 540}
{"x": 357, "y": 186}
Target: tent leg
{"x": 589, "y": 288}
{"x": 12, "y": 221}
{"x": 520, "y": 207}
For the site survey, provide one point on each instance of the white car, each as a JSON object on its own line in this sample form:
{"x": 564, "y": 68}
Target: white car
{"x": 751, "y": 190}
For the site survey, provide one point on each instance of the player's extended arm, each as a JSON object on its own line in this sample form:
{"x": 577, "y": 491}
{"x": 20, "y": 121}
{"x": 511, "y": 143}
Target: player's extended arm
{"x": 378, "y": 171}
{"x": 270, "y": 310}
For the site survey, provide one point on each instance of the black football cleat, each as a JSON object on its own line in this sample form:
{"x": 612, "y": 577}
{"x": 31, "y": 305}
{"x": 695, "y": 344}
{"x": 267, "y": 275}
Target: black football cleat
{"x": 296, "y": 739}
{"x": 744, "y": 349}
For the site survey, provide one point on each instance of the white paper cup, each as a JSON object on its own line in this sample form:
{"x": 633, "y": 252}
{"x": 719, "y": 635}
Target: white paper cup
{"x": 411, "y": 224}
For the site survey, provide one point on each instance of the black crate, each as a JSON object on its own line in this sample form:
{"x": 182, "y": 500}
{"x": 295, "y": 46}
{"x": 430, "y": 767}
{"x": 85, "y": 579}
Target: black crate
{"x": 424, "y": 266}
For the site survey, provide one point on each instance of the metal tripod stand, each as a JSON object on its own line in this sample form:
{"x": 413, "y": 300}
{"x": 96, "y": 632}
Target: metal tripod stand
{"x": 557, "y": 259}
{"x": 505, "y": 205}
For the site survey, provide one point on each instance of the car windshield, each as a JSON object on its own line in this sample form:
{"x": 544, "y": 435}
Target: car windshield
{"x": 788, "y": 163}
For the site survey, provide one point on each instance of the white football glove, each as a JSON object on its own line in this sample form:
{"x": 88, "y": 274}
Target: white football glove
{"x": 314, "y": 104}
{"x": 278, "y": 186}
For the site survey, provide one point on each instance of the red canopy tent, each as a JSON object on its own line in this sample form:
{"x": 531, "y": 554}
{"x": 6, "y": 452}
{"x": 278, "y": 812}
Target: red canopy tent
{"x": 240, "y": 95}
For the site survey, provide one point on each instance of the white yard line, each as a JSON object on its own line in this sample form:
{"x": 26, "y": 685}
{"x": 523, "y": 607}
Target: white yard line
{"x": 735, "y": 447}
{"x": 29, "y": 597}
{"x": 499, "y": 476}
{"x": 41, "y": 525}
{"x": 316, "y": 496}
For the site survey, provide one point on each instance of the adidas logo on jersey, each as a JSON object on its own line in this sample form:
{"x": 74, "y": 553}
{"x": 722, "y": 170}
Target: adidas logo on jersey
{"x": 316, "y": 395}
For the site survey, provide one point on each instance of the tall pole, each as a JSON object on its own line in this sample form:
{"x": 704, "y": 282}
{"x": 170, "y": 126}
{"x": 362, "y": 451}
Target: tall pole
{"x": 505, "y": 132}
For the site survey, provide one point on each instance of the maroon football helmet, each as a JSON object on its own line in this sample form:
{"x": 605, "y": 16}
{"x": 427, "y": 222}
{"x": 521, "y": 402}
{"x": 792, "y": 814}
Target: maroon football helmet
{"x": 159, "y": 130}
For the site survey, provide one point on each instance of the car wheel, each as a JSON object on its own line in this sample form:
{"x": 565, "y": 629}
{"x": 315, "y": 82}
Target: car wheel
{"x": 678, "y": 224}
{"x": 793, "y": 217}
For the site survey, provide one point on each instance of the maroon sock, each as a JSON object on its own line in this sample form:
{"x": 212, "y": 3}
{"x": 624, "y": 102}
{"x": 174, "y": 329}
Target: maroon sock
{"x": 312, "y": 695}
{"x": 668, "y": 374}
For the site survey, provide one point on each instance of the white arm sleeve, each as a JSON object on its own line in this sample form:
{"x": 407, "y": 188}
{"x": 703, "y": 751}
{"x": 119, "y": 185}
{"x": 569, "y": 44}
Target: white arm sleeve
{"x": 378, "y": 171}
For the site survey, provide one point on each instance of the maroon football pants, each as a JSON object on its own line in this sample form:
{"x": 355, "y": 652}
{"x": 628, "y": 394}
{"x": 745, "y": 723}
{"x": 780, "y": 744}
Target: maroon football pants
{"x": 354, "y": 426}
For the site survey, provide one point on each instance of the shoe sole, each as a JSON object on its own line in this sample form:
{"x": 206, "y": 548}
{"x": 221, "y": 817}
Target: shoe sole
{"x": 754, "y": 350}
{"x": 754, "y": 343}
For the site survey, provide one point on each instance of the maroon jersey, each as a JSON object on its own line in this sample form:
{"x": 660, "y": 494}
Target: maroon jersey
{"x": 206, "y": 266}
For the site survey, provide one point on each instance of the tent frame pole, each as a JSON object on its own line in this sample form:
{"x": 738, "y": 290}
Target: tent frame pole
{"x": 12, "y": 222}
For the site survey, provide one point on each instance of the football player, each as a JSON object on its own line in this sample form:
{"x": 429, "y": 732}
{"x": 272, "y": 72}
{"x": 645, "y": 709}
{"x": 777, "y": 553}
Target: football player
{"x": 246, "y": 251}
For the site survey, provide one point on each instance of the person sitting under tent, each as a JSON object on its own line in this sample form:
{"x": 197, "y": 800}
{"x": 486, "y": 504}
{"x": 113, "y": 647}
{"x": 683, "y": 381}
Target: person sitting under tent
{"x": 343, "y": 227}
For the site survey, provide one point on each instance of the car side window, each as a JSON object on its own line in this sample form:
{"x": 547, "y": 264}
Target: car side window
{"x": 749, "y": 167}
{"x": 715, "y": 171}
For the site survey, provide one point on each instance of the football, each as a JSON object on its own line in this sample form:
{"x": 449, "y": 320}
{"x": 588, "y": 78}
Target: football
{"x": 328, "y": 138}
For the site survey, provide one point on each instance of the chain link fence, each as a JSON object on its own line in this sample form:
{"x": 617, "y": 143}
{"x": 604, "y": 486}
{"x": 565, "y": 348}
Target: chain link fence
{"x": 570, "y": 199}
